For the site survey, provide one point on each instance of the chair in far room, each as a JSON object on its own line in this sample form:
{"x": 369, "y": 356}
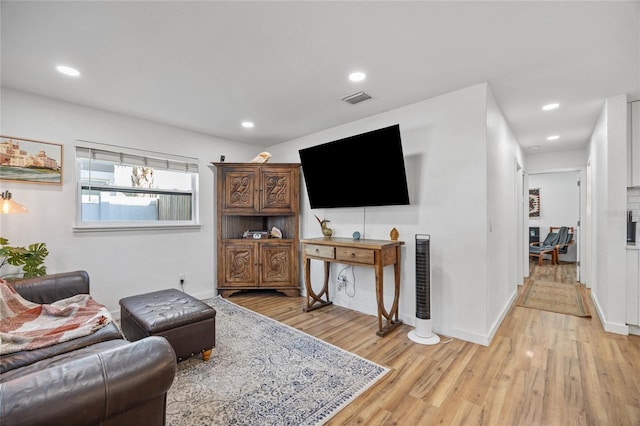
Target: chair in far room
{"x": 565, "y": 239}
{"x": 547, "y": 247}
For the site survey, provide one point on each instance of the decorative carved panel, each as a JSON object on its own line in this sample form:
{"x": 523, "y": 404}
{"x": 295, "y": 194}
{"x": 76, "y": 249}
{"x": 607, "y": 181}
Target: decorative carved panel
{"x": 276, "y": 263}
{"x": 240, "y": 189}
{"x": 279, "y": 191}
{"x": 239, "y": 264}
{"x": 276, "y": 190}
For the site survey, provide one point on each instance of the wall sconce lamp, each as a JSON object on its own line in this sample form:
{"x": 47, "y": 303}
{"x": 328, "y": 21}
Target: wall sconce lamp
{"x": 8, "y": 206}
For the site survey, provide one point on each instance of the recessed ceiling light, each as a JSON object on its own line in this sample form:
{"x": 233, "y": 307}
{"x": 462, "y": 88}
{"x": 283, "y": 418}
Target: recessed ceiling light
{"x": 357, "y": 76}
{"x": 553, "y": 138}
{"x": 72, "y": 72}
{"x": 247, "y": 124}
{"x": 549, "y": 107}
{"x": 533, "y": 148}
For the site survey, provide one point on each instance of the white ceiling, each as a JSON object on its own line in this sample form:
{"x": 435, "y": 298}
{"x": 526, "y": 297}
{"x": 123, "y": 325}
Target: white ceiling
{"x": 207, "y": 66}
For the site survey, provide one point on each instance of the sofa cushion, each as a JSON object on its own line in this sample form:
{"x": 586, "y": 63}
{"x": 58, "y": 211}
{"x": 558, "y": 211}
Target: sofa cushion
{"x": 20, "y": 359}
{"x": 61, "y": 359}
{"x": 49, "y": 288}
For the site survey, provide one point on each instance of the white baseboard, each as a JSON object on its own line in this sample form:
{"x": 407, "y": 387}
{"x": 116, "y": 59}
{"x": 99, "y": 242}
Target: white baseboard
{"x": 608, "y": 326}
{"x": 205, "y": 295}
{"x": 469, "y": 336}
{"x": 456, "y": 333}
{"x": 496, "y": 325}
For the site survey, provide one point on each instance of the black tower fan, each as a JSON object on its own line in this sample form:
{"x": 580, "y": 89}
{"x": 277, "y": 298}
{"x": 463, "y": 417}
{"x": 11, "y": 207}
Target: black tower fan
{"x": 422, "y": 333}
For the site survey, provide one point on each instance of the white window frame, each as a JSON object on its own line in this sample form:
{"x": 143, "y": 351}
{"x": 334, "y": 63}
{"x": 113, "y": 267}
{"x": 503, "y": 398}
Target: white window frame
{"x": 87, "y": 149}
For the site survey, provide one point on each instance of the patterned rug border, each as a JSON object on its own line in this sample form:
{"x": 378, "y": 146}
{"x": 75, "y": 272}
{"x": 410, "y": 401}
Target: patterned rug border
{"x": 354, "y": 377}
{"x": 525, "y": 299}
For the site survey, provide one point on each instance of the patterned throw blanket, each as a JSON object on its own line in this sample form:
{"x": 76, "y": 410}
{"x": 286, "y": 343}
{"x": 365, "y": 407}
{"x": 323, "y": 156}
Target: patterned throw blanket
{"x": 25, "y": 325}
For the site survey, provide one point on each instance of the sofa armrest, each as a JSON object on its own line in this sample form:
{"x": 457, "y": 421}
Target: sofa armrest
{"x": 123, "y": 385}
{"x": 50, "y": 288}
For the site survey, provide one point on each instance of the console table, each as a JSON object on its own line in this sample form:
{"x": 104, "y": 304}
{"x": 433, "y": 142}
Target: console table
{"x": 368, "y": 253}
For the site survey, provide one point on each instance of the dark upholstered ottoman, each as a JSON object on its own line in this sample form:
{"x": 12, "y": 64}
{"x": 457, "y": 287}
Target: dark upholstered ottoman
{"x": 187, "y": 323}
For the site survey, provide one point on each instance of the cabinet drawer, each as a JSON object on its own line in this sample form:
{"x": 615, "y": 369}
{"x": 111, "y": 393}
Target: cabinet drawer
{"x": 355, "y": 255}
{"x": 320, "y": 251}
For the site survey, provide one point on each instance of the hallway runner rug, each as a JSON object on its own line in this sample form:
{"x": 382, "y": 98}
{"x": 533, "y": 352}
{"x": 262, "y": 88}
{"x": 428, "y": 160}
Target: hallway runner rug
{"x": 263, "y": 372}
{"x": 563, "y": 298}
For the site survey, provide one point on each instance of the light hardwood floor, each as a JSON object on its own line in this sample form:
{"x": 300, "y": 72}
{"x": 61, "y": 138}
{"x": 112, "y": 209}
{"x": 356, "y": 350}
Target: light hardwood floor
{"x": 541, "y": 368}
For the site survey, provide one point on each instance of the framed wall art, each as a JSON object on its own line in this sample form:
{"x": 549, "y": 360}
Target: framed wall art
{"x": 26, "y": 160}
{"x": 534, "y": 203}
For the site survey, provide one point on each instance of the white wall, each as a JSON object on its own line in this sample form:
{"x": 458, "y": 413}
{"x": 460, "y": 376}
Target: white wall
{"x": 119, "y": 263}
{"x": 504, "y": 238}
{"x": 559, "y": 204}
{"x": 445, "y": 146}
{"x": 555, "y": 161}
{"x": 607, "y": 151}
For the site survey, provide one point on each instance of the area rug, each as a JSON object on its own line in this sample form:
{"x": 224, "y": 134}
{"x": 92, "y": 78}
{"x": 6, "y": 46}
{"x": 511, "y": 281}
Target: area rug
{"x": 262, "y": 372}
{"x": 564, "y": 298}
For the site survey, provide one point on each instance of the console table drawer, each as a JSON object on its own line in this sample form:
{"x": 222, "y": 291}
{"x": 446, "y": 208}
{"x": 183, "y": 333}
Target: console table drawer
{"x": 319, "y": 251}
{"x": 355, "y": 255}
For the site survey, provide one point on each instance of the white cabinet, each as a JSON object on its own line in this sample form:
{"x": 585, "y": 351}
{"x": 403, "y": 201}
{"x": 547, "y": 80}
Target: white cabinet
{"x": 633, "y": 144}
{"x": 633, "y": 286}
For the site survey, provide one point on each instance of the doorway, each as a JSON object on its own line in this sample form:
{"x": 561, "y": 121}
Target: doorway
{"x": 560, "y": 201}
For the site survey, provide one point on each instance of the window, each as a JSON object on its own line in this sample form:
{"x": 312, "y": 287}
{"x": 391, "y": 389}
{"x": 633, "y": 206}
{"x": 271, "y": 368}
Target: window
{"x": 127, "y": 188}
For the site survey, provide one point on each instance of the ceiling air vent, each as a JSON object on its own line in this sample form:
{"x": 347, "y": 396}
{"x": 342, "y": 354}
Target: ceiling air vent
{"x": 356, "y": 98}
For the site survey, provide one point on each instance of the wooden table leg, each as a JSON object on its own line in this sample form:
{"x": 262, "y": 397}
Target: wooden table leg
{"x": 316, "y": 301}
{"x": 396, "y": 294}
{"x": 391, "y": 317}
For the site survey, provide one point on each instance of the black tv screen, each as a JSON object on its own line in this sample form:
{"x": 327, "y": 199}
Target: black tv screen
{"x": 357, "y": 171}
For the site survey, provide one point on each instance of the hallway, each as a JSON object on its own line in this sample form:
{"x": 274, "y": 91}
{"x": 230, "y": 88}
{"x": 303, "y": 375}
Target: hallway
{"x": 563, "y": 272}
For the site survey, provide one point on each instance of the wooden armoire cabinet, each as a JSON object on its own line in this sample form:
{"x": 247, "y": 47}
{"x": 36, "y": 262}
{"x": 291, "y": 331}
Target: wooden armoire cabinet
{"x": 257, "y": 197}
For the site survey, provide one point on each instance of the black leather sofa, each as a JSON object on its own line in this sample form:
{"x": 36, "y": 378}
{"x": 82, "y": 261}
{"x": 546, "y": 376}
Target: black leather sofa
{"x": 97, "y": 379}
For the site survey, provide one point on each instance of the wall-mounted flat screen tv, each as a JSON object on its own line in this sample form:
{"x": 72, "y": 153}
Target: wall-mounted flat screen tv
{"x": 357, "y": 171}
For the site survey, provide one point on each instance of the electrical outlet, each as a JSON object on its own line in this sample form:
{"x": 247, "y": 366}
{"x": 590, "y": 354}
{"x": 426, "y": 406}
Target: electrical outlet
{"x": 342, "y": 282}
{"x": 181, "y": 278}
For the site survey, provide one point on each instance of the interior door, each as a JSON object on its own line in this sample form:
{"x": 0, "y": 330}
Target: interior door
{"x": 577, "y": 233}
{"x": 525, "y": 226}
{"x": 520, "y": 230}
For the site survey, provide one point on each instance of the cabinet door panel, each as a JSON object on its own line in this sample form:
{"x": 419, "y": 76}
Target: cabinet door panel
{"x": 239, "y": 264}
{"x": 633, "y": 287}
{"x": 634, "y": 135}
{"x": 276, "y": 263}
{"x": 239, "y": 191}
{"x": 278, "y": 191}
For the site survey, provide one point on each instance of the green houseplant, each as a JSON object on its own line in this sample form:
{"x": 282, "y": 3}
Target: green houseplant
{"x": 31, "y": 259}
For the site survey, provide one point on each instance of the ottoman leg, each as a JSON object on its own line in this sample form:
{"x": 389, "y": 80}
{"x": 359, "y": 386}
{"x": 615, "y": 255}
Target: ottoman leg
{"x": 206, "y": 354}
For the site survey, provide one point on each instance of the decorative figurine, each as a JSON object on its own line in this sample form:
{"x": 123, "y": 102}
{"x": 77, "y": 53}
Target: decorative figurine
{"x": 276, "y": 233}
{"x": 394, "y": 234}
{"x": 326, "y": 231}
{"x": 263, "y": 157}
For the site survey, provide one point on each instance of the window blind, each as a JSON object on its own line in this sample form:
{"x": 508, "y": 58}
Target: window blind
{"x": 120, "y": 155}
